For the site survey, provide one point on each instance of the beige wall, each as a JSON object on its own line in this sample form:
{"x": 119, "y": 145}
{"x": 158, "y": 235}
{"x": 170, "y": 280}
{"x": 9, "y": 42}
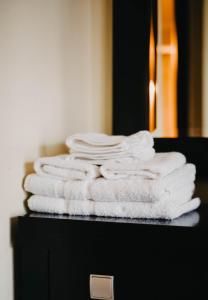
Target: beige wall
{"x": 55, "y": 79}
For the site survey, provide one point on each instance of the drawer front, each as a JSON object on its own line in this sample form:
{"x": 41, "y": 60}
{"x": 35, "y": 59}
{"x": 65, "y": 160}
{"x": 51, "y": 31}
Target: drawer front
{"x": 145, "y": 274}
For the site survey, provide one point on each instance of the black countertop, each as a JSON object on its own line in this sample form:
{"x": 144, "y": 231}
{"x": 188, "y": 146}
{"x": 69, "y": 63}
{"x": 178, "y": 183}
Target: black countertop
{"x": 197, "y": 218}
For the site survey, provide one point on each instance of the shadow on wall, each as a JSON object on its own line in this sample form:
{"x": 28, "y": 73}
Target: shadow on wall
{"x": 45, "y": 150}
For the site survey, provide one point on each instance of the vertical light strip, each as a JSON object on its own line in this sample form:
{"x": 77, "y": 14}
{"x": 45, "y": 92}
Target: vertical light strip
{"x": 167, "y": 54}
{"x": 152, "y": 65}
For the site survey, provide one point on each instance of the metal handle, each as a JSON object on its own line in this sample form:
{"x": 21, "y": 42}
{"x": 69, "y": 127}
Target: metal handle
{"x": 101, "y": 287}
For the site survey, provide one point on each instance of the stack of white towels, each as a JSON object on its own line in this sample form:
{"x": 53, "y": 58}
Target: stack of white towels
{"x": 115, "y": 176}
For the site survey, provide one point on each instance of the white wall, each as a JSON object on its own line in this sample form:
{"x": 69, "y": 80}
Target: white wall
{"x": 55, "y": 79}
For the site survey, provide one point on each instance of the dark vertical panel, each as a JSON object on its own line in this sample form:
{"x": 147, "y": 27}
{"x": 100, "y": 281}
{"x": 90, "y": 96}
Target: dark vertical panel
{"x": 69, "y": 273}
{"x": 154, "y": 12}
{"x": 17, "y": 272}
{"x": 131, "y": 30}
{"x": 182, "y": 10}
{"x": 33, "y": 272}
{"x": 195, "y": 74}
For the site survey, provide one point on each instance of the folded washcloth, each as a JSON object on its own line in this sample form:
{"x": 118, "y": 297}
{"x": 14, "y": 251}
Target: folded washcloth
{"x": 159, "y": 166}
{"x": 98, "y": 147}
{"x": 160, "y": 210}
{"x": 61, "y": 167}
{"x": 140, "y": 190}
{"x": 143, "y": 155}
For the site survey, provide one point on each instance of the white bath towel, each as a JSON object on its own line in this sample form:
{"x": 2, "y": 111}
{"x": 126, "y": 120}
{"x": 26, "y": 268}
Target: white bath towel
{"x": 160, "y": 210}
{"x": 61, "y": 167}
{"x": 117, "y": 190}
{"x": 159, "y": 166}
{"x": 45, "y": 186}
{"x": 101, "y": 147}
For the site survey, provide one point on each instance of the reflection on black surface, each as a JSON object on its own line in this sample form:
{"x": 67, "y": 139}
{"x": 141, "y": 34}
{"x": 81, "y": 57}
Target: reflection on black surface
{"x": 187, "y": 220}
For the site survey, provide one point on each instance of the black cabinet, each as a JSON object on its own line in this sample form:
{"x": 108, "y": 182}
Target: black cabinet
{"x": 55, "y": 255}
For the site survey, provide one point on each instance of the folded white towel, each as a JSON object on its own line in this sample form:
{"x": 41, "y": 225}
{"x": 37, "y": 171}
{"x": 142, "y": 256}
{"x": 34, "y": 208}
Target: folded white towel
{"x": 160, "y": 210}
{"x": 117, "y": 190}
{"x": 142, "y": 189}
{"x": 101, "y": 147}
{"x": 143, "y": 155}
{"x": 159, "y": 166}
{"x": 61, "y": 167}
{"x": 46, "y": 186}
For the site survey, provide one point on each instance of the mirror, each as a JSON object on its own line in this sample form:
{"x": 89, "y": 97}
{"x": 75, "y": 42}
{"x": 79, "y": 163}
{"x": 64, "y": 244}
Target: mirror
{"x": 160, "y": 51}
{"x": 179, "y": 97}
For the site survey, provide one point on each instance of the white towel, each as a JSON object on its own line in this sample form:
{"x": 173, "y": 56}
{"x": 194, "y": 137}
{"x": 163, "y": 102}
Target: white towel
{"x": 117, "y": 190}
{"x": 142, "y": 189}
{"x": 185, "y": 192}
{"x": 101, "y": 147}
{"x": 159, "y": 166}
{"x": 46, "y": 186}
{"x": 160, "y": 210}
{"x": 143, "y": 155}
{"x": 61, "y": 167}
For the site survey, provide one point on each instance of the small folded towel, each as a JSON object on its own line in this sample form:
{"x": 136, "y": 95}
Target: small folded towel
{"x": 61, "y": 167}
{"x": 101, "y": 189}
{"x": 160, "y": 210}
{"x": 159, "y": 166}
{"x": 143, "y": 155}
{"x": 98, "y": 148}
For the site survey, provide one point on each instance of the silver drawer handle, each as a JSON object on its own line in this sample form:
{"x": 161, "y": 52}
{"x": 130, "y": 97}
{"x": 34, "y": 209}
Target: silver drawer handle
{"x": 101, "y": 287}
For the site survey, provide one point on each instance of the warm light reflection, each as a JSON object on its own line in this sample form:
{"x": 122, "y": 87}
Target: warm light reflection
{"x": 167, "y": 69}
{"x": 152, "y": 73}
{"x": 152, "y": 91}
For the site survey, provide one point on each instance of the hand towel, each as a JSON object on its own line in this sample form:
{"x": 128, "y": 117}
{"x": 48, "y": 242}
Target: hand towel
{"x": 160, "y": 210}
{"x": 159, "y": 166}
{"x": 61, "y": 167}
{"x": 101, "y": 147}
